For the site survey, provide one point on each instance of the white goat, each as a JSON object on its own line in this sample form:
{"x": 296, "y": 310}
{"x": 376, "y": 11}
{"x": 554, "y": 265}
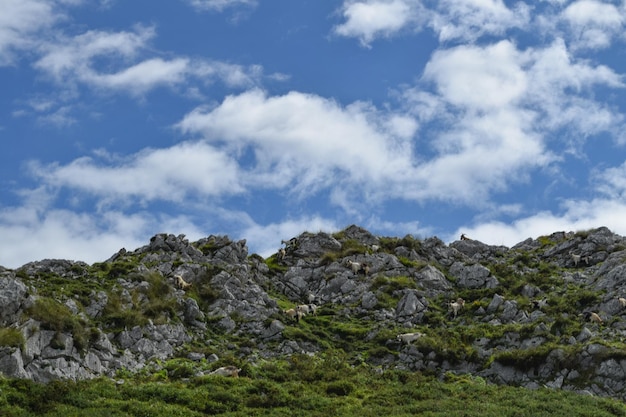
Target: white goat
{"x": 293, "y": 314}
{"x": 231, "y": 371}
{"x": 576, "y": 259}
{"x": 181, "y": 283}
{"x": 455, "y": 306}
{"x": 281, "y": 254}
{"x": 622, "y": 302}
{"x": 355, "y": 266}
{"x": 375, "y": 248}
{"x": 409, "y": 337}
{"x": 304, "y": 309}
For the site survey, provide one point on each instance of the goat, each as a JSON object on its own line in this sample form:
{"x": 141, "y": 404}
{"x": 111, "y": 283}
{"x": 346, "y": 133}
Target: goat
{"x": 293, "y": 314}
{"x": 365, "y": 268}
{"x": 576, "y": 259}
{"x": 355, "y": 266}
{"x": 304, "y": 309}
{"x": 313, "y": 309}
{"x": 409, "y": 337}
{"x": 455, "y": 306}
{"x": 540, "y": 303}
{"x": 232, "y": 371}
{"x": 181, "y": 283}
{"x": 374, "y": 248}
{"x": 622, "y": 302}
{"x": 281, "y": 254}
{"x": 290, "y": 244}
{"x": 464, "y": 237}
{"x": 594, "y": 317}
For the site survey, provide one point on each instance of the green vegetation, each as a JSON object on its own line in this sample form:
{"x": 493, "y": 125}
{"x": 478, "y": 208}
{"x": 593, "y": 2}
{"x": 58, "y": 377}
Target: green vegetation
{"x": 11, "y": 337}
{"x": 58, "y": 317}
{"x": 298, "y": 386}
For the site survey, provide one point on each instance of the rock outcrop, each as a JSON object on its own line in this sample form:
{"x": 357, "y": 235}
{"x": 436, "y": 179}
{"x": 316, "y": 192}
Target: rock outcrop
{"x": 523, "y": 322}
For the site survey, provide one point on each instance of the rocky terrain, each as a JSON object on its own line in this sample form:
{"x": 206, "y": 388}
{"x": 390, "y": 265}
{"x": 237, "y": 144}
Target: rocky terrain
{"x": 526, "y": 319}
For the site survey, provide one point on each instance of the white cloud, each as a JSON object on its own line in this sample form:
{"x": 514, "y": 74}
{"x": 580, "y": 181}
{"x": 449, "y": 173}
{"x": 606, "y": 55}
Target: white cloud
{"x": 480, "y": 78}
{"x": 34, "y": 232}
{"x": 575, "y": 215}
{"x": 185, "y": 171}
{"x": 370, "y": 19}
{"x": 20, "y": 21}
{"x": 465, "y": 20}
{"x": 116, "y": 61}
{"x": 593, "y": 23}
{"x": 265, "y": 240}
{"x": 220, "y": 5}
{"x": 468, "y": 20}
{"x": 60, "y": 118}
{"x": 305, "y": 141}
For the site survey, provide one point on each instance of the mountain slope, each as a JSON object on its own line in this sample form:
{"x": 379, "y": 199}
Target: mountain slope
{"x": 525, "y": 321}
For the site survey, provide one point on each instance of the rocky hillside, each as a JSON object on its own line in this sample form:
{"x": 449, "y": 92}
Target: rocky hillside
{"x": 526, "y": 318}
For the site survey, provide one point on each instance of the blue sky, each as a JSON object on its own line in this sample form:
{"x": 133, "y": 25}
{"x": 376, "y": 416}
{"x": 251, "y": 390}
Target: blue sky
{"x": 262, "y": 119}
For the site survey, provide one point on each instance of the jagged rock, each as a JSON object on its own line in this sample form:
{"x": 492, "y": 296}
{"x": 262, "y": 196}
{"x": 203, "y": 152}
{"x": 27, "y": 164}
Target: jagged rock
{"x": 411, "y": 304}
{"x": 495, "y": 303}
{"x": 11, "y": 363}
{"x": 369, "y": 300}
{"x": 473, "y": 276}
{"x": 192, "y": 313}
{"x": 13, "y": 293}
{"x": 273, "y": 331}
{"x": 314, "y": 245}
{"x": 430, "y": 278}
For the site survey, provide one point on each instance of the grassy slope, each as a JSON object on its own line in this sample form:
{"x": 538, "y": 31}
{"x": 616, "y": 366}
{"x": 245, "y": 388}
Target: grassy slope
{"x": 301, "y": 386}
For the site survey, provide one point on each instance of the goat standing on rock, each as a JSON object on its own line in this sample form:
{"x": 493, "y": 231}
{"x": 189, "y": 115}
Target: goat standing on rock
{"x": 181, "y": 283}
{"x": 593, "y": 317}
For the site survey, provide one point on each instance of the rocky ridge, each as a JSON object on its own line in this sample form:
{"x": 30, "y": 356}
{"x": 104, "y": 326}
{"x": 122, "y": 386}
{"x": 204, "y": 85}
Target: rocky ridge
{"x": 524, "y": 321}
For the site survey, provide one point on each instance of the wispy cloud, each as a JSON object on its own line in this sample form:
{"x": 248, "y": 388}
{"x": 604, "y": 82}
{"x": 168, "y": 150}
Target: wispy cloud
{"x": 593, "y": 24}
{"x": 20, "y": 22}
{"x": 220, "y": 5}
{"x": 117, "y": 62}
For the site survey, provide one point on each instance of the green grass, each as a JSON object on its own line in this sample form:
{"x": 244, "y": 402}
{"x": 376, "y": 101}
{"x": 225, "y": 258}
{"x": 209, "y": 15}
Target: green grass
{"x": 299, "y": 386}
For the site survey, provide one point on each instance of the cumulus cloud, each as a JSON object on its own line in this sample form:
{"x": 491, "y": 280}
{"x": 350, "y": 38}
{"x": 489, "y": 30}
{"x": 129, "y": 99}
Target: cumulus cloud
{"x": 187, "y": 170}
{"x": 305, "y": 141}
{"x": 369, "y": 19}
